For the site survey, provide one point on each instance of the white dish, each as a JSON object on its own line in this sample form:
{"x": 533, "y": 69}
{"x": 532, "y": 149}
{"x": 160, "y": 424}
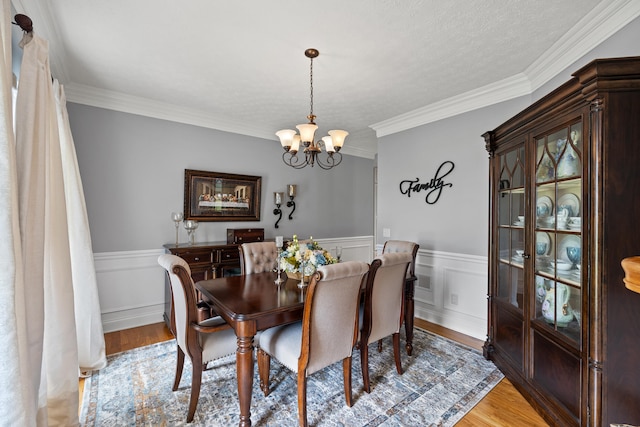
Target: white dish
{"x": 563, "y": 265}
{"x": 567, "y": 241}
{"x": 544, "y": 207}
{"x": 571, "y": 202}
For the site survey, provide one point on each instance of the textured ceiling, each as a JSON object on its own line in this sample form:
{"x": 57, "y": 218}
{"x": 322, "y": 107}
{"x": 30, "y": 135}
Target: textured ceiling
{"x": 239, "y": 66}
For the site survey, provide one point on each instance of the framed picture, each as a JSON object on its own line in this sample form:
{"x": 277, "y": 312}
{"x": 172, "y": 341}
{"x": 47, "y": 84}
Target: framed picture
{"x": 215, "y": 196}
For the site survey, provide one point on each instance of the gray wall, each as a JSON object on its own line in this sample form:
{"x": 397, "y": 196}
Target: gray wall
{"x": 132, "y": 169}
{"x": 458, "y": 221}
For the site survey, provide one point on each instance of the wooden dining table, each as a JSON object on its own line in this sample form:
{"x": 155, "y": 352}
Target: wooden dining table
{"x": 252, "y": 303}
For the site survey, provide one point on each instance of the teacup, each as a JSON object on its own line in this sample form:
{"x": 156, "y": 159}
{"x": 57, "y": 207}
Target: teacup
{"x": 542, "y": 210}
{"x": 575, "y": 220}
{"x": 561, "y": 222}
{"x": 541, "y": 248}
{"x": 521, "y": 218}
{"x": 573, "y": 253}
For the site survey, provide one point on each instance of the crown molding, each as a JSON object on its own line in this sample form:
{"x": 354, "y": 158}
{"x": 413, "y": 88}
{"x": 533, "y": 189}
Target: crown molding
{"x": 503, "y": 90}
{"x": 117, "y": 101}
{"x": 594, "y": 28}
{"x": 603, "y": 21}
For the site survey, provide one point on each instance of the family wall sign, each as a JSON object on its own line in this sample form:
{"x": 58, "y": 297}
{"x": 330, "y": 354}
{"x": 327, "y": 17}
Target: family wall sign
{"x": 433, "y": 187}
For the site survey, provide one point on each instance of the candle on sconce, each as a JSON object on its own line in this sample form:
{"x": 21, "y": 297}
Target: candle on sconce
{"x": 278, "y": 197}
{"x": 279, "y": 241}
{"x": 291, "y": 189}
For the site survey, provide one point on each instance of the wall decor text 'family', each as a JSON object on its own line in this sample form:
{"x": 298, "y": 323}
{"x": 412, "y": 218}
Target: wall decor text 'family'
{"x": 433, "y": 187}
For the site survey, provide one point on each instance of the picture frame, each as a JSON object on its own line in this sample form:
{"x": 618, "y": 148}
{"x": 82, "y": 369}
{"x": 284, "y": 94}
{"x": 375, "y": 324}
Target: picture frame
{"x": 216, "y": 196}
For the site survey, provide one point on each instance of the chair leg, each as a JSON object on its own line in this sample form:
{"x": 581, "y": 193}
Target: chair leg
{"x": 380, "y": 345}
{"x": 179, "y": 366}
{"x": 196, "y": 381}
{"x": 396, "y": 352}
{"x": 346, "y": 373}
{"x": 264, "y": 364}
{"x": 302, "y": 398}
{"x": 364, "y": 364}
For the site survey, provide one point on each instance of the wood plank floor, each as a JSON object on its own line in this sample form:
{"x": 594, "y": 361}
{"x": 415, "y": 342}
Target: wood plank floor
{"x": 504, "y": 406}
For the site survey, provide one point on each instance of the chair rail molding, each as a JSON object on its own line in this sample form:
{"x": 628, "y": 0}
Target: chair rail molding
{"x": 451, "y": 291}
{"x": 131, "y": 283}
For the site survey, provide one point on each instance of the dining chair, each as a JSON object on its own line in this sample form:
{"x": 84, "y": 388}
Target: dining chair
{"x": 392, "y": 246}
{"x": 383, "y": 307}
{"x": 326, "y": 334}
{"x": 202, "y": 342}
{"x": 257, "y": 257}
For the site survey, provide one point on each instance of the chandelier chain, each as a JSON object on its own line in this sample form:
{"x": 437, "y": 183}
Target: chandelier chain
{"x": 311, "y": 86}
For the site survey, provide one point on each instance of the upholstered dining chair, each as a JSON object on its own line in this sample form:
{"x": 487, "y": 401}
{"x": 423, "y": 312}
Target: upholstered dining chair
{"x": 383, "y": 307}
{"x": 202, "y": 342}
{"x": 257, "y": 257}
{"x": 392, "y": 246}
{"x": 326, "y": 334}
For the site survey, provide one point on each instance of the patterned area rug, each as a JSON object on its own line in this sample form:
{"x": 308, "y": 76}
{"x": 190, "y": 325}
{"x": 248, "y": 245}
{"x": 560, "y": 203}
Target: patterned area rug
{"x": 442, "y": 381}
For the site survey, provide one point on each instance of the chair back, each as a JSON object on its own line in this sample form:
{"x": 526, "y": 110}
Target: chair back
{"x": 393, "y": 246}
{"x": 257, "y": 257}
{"x": 184, "y": 298}
{"x": 330, "y": 320}
{"x": 384, "y": 296}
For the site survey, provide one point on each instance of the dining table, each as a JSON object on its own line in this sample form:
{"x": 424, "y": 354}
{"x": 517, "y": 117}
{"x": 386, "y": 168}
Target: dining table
{"x": 255, "y": 302}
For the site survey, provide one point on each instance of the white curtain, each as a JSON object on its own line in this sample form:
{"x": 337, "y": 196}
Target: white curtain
{"x": 18, "y": 398}
{"x": 91, "y": 347}
{"x": 50, "y": 310}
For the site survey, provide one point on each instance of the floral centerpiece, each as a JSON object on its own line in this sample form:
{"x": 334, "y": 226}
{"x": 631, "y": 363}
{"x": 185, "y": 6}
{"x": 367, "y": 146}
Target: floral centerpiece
{"x": 300, "y": 259}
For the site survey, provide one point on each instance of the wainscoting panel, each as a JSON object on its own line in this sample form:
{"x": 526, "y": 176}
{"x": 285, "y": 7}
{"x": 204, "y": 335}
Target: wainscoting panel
{"x": 452, "y": 291}
{"x": 131, "y": 288}
{"x": 131, "y": 283}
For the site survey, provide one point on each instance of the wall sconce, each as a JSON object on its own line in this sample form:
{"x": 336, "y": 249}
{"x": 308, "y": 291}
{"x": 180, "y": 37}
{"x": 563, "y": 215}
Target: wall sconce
{"x": 291, "y": 191}
{"x": 277, "y": 198}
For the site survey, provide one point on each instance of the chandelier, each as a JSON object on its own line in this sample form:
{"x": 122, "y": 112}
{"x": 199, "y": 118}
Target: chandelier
{"x": 291, "y": 141}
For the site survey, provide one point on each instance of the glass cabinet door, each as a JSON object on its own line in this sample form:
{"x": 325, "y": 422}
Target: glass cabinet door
{"x": 558, "y": 230}
{"x": 511, "y": 226}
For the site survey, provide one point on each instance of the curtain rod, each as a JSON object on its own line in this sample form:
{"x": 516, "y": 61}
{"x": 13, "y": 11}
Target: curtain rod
{"x": 24, "y": 22}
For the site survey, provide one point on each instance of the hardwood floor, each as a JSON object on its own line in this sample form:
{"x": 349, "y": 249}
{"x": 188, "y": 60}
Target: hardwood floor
{"x": 504, "y": 406}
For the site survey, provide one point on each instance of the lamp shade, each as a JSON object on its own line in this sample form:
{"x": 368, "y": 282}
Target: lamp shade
{"x": 296, "y": 143}
{"x": 338, "y": 137}
{"x": 307, "y": 131}
{"x": 328, "y": 144}
{"x": 286, "y": 137}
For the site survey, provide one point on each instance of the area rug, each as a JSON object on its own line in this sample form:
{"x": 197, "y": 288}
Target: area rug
{"x": 442, "y": 381}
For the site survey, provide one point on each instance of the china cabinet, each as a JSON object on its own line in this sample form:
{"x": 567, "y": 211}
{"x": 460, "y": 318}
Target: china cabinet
{"x": 564, "y": 206}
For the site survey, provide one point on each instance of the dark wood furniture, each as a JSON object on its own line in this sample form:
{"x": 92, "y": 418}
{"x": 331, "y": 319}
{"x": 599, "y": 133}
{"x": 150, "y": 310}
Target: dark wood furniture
{"x": 207, "y": 261}
{"x": 565, "y": 336}
{"x": 190, "y": 342}
{"x": 249, "y": 304}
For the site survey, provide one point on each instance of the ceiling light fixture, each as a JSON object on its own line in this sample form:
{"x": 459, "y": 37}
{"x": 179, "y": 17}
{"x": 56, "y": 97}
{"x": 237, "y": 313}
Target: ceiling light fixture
{"x": 290, "y": 140}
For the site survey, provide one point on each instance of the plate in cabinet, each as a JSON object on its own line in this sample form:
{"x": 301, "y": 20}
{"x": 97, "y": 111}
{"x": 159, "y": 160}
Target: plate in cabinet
{"x": 571, "y": 202}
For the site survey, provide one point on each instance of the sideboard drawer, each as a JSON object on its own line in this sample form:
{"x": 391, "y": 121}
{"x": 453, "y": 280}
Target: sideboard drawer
{"x": 229, "y": 254}
{"x": 196, "y": 256}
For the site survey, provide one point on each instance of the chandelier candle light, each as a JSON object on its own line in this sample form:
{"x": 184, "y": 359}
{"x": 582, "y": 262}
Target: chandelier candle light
{"x": 290, "y": 140}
